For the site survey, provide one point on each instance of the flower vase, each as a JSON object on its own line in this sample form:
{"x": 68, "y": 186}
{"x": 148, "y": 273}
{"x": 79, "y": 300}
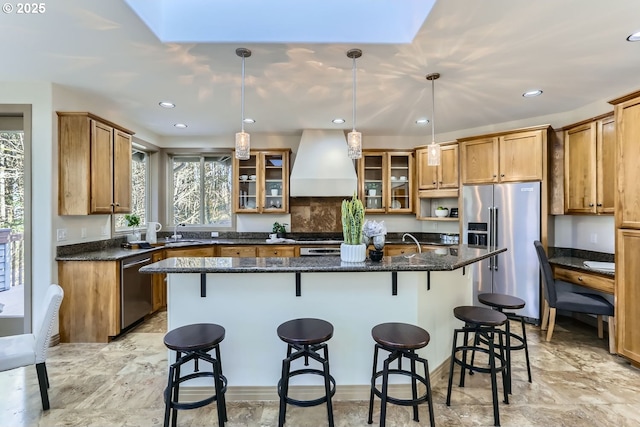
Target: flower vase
{"x": 134, "y": 236}
{"x": 353, "y": 253}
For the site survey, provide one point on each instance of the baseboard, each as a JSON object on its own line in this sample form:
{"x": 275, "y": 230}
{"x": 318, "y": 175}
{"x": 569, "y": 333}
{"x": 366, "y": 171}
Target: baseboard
{"x": 55, "y": 340}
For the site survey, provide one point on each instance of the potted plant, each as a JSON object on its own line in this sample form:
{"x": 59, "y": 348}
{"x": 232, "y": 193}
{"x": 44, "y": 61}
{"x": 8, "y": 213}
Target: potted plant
{"x": 352, "y": 250}
{"x": 133, "y": 221}
{"x": 442, "y": 211}
{"x": 280, "y": 229}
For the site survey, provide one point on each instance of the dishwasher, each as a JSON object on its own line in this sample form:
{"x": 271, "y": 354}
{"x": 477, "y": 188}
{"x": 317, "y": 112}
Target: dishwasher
{"x": 136, "y": 298}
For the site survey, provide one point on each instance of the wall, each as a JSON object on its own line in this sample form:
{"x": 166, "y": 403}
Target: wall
{"x": 578, "y": 232}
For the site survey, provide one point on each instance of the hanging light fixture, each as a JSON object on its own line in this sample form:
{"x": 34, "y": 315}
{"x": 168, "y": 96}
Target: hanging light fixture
{"x": 243, "y": 139}
{"x": 433, "y": 153}
{"x": 354, "y": 138}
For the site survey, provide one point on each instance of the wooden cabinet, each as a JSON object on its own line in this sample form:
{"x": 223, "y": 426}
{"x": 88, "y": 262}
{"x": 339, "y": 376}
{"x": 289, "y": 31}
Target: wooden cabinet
{"x": 261, "y": 183}
{"x": 90, "y": 310}
{"x": 237, "y": 251}
{"x": 94, "y": 165}
{"x": 158, "y": 285}
{"x": 628, "y": 294}
{"x": 506, "y": 157}
{"x": 410, "y": 248}
{"x": 385, "y": 181}
{"x": 199, "y": 251}
{"x": 589, "y": 166}
{"x": 591, "y": 280}
{"x": 277, "y": 251}
{"x": 441, "y": 177}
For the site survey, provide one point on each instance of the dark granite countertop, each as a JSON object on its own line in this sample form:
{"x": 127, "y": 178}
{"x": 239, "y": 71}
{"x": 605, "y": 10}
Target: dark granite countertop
{"x": 575, "y": 258}
{"x": 444, "y": 259}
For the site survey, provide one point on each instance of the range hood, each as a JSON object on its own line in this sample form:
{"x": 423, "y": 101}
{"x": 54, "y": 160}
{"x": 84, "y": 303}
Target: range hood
{"x": 322, "y": 167}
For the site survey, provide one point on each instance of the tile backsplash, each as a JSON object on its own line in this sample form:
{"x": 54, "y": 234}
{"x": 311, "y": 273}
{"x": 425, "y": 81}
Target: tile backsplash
{"x": 316, "y": 214}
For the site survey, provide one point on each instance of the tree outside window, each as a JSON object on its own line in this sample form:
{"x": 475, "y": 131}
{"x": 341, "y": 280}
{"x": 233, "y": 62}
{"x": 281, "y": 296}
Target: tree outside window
{"x": 139, "y": 189}
{"x": 202, "y": 190}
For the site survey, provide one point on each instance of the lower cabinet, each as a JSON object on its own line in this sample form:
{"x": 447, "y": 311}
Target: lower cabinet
{"x": 159, "y": 285}
{"x": 201, "y": 251}
{"x": 628, "y": 294}
{"x": 277, "y": 251}
{"x": 238, "y": 251}
{"x": 90, "y": 310}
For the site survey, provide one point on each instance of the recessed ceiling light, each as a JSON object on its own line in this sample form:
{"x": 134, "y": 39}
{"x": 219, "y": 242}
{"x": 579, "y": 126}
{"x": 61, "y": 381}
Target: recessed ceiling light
{"x": 180, "y": 125}
{"x": 532, "y": 93}
{"x": 248, "y": 120}
{"x": 167, "y": 104}
{"x": 422, "y": 121}
{"x": 338, "y": 121}
{"x": 634, "y": 37}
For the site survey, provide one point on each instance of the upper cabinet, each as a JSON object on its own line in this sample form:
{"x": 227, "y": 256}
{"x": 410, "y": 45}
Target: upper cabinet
{"x": 261, "y": 183}
{"x": 385, "y": 181}
{"x": 506, "y": 157}
{"x": 589, "y": 166}
{"x": 627, "y": 117}
{"x": 94, "y": 165}
{"x": 443, "y": 176}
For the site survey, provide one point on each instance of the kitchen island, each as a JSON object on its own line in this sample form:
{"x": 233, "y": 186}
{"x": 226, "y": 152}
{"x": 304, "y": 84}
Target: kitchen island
{"x": 250, "y": 297}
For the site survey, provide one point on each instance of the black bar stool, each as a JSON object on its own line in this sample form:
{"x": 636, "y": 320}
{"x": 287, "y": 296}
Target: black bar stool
{"x": 305, "y": 338}
{"x": 400, "y": 340}
{"x": 193, "y": 342}
{"x": 503, "y": 302}
{"x": 483, "y": 322}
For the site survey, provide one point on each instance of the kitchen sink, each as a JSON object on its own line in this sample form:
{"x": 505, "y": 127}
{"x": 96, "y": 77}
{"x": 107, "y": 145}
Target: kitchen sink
{"x": 181, "y": 242}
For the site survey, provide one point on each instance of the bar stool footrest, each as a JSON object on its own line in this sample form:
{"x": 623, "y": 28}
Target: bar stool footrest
{"x": 199, "y": 403}
{"x": 311, "y": 402}
{"x": 397, "y": 400}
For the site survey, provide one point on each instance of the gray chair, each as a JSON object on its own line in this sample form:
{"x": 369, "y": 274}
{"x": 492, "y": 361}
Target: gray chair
{"x": 577, "y": 302}
{"x": 31, "y": 349}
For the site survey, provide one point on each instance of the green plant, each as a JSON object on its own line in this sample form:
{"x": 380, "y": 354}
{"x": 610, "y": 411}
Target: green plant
{"x": 441, "y": 208}
{"x": 352, "y": 220}
{"x": 279, "y": 228}
{"x": 133, "y": 220}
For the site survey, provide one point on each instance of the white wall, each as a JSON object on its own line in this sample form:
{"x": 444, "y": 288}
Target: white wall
{"x": 573, "y": 231}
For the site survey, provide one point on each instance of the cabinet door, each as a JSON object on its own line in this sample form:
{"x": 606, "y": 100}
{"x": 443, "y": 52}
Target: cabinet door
{"x": 158, "y": 284}
{"x": 245, "y": 184}
{"x": 395, "y": 250}
{"x": 521, "y": 157}
{"x": 373, "y": 178}
{"x": 428, "y": 176}
{"x": 102, "y": 168}
{"x": 627, "y": 154}
{"x": 580, "y": 169}
{"x": 276, "y": 251}
{"x": 628, "y": 294}
{"x": 237, "y": 251}
{"x": 274, "y": 185}
{"x": 399, "y": 197}
{"x": 121, "y": 172}
{"x": 479, "y": 161}
{"x": 190, "y": 252}
{"x": 606, "y": 168}
{"x": 448, "y": 169}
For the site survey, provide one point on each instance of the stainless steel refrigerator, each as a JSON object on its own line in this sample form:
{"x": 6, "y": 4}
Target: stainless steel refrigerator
{"x": 505, "y": 215}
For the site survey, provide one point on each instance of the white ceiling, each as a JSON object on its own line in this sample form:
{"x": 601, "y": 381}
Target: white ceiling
{"x": 488, "y": 53}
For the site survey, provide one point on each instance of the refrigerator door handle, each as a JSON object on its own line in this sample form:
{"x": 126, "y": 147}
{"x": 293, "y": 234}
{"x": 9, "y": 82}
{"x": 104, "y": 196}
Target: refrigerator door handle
{"x": 490, "y": 236}
{"x": 495, "y": 237}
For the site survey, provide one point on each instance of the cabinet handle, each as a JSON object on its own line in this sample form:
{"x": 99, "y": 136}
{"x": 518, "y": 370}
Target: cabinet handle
{"x": 434, "y": 183}
{"x": 579, "y": 279}
{"x": 502, "y": 175}
{"x": 599, "y": 205}
{"x": 117, "y": 204}
{"x": 494, "y": 175}
{"x": 590, "y": 205}
{"x": 440, "y": 182}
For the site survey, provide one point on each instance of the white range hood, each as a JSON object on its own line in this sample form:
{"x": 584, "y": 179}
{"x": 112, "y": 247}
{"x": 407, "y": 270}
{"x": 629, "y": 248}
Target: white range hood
{"x": 322, "y": 167}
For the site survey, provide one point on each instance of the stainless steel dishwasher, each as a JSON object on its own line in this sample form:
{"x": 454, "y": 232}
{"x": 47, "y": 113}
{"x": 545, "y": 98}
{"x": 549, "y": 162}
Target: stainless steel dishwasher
{"x": 136, "y": 298}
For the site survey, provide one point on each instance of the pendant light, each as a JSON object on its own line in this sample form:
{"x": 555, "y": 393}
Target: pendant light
{"x": 354, "y": 138}
{"x": 433, "y": 153}
{"x": 243, "y": 139}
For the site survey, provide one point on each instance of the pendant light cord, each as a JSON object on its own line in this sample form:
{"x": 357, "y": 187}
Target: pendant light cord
{"x": 242, "y": 96}
{"x": 433, "y": 111}
{"x": 354, "y": 93}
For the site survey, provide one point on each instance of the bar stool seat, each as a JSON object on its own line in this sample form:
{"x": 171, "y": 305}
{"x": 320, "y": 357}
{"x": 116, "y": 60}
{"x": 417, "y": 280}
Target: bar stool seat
{"x": 482, "y": 322}
{"x": 400, "y": 340}
{"x": 503, "y": 302}
{"x": 193, "y": 342}
{"x": 305, "y": 338}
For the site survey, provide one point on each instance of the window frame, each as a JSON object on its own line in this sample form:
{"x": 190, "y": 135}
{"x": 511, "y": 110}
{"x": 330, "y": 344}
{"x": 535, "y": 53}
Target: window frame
{"x": 115, "y": 231}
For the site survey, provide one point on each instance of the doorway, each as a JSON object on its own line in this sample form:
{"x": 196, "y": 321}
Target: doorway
{"x": 15, "y": 288}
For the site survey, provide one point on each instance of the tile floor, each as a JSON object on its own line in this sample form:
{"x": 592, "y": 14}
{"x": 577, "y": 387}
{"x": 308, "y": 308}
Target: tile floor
{"x": 576, "y": 382}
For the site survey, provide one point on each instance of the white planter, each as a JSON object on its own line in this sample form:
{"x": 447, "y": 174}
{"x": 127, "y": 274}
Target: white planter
{"x": 353, "y": 253}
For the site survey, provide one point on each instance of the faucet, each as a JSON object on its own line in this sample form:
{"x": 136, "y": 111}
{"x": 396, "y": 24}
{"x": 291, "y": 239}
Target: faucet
{"x": 175, "y": 231}
{"x": 417, "y": 244}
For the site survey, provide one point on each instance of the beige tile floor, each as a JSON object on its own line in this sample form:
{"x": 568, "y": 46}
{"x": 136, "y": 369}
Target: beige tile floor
{"x": 576, "y": 382}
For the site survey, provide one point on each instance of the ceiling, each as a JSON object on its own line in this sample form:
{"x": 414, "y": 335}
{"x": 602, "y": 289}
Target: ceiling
{"x": 488, "y": 53}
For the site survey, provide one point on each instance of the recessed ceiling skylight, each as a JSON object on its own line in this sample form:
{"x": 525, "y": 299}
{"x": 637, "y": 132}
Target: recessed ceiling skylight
{"x": 634, "y": 37}
{"x": 180, "y": 125}
{"x": 166, "y": 104}
{"x": 532, "y": 93}
{"x": 283, "y": 21}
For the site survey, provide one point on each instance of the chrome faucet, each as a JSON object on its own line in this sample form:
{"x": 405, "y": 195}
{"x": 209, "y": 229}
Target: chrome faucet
{"x": 415, "y": 240}
{"x": 175, "y": 231}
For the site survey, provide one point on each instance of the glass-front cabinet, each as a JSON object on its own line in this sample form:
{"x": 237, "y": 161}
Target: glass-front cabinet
{"x": 261, "y": 183}
{"x": 385, "y": 181}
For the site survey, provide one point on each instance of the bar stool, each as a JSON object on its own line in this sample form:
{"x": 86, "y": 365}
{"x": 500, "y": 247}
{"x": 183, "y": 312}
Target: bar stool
{"x": 501, "y": 302}
{"x": 483, "y": 322}
{"x": 400, "y": 340}
{"x": 305, "y": 338}
{"x": 193, "y": 342}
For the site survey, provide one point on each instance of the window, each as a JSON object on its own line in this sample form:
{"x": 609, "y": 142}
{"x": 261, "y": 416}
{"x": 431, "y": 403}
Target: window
{"x": 139, "y": 189}
{"x": 202, "y": 190}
